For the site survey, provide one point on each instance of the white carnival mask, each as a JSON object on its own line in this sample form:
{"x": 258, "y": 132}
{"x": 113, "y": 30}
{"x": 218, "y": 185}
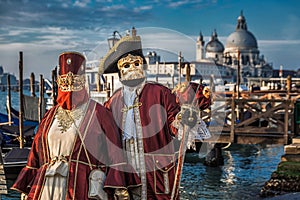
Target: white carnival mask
{"x": 131, "y": 68}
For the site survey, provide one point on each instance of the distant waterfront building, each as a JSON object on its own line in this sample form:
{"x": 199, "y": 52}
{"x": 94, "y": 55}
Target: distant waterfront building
{"x": 213, "y": 58}
{"x": 285, "y": 73}
{"x": 207, "y": 70}
{"x": 3, "y": 79}
{"x": 241, "y": 48}
{"x": 213, "y": 61}
{"x": 163, "y": 72}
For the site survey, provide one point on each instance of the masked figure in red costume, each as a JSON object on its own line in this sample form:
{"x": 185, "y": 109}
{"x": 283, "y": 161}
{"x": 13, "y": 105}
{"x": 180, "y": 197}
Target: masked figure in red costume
{"x": 193, "y": 93}
{"x": 198, "y": 96}
{"x": 145, "y": 113}
{"x": 77, "y": 150}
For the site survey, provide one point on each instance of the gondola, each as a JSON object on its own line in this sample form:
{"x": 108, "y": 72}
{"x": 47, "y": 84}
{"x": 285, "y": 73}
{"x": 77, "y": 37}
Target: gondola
{"x": 14, "y": 157}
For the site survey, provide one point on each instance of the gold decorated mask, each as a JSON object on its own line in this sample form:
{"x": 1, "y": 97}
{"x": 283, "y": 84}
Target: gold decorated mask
{"x": 70, "y": 82}
{"x": 206, "y": 92}
{"x": 131, "y": 67}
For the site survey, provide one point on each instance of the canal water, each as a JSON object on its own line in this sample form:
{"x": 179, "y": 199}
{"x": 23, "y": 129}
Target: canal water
{"x": 246, "y": 168}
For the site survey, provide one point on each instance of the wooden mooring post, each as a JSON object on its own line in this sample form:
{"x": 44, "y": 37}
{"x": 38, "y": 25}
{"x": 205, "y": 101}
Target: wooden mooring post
{"x": 112, "y": 85}
{"x": 233, "y": 120}
{"x": 21, "y": 115}
{"x": 32, "y": 85}
{"x": 41, "y": 99}
{"x": 8, "y": 100}
{"x": 54, "y": 86}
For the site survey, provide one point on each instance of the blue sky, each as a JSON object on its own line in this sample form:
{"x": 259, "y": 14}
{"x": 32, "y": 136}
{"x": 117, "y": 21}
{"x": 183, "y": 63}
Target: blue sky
{"x": 44, "y": 29}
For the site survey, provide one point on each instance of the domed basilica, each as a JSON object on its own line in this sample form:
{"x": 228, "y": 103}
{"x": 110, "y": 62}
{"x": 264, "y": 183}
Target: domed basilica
{"x": 214, "y": 61}
{"x": 241, "y": 50}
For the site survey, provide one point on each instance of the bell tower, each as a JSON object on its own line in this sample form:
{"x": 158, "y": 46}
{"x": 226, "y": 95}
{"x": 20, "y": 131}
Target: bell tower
{"x": 200, "y": 54}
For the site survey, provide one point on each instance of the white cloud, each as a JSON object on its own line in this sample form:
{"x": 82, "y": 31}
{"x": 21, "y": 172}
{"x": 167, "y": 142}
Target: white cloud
{"x": 36, "y": 58}
{"x": 168, "y": 40}
{"x": 185, "y": 2}
{"x": 177, "y": 3}
{"x": 65, "y": 5}
{"x": 142, "y": 8}
{"x": 81, "y": 3}
{"x": 279, "y": 42}
{"x": 112, "y": 8}
{"x": 40, "y": 56}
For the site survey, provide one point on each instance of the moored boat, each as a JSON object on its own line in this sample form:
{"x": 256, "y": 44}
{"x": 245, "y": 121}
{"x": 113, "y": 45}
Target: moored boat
{"x": 15, "y": 158}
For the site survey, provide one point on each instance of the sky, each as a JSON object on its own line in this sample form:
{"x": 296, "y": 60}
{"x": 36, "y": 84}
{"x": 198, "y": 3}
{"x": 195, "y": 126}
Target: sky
{"x": 44, "y": 29}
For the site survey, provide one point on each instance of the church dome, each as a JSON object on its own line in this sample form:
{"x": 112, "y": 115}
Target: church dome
{"x": 241, "y": 38}
{"x": 214, "y": 45}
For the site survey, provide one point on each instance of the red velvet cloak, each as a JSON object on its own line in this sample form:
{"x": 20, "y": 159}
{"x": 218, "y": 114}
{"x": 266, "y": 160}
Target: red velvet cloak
{"x": 104, "y": 149}
{"x": 158, "y": 110}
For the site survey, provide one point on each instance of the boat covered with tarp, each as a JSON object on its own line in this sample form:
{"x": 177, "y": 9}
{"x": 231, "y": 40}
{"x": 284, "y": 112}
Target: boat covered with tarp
{"x": 14, "y": 157}
{"x": 10, "y": 131}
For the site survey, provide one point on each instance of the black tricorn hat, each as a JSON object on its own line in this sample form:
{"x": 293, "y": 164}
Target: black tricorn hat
{"x": 126, "y": 45}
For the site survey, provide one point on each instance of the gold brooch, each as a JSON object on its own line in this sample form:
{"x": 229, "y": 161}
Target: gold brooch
{"x": 137, "y": 104}
{"x": 67, "y": 117}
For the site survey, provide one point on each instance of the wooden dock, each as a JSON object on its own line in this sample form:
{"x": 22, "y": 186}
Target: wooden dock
{"x": 252, "y": 119}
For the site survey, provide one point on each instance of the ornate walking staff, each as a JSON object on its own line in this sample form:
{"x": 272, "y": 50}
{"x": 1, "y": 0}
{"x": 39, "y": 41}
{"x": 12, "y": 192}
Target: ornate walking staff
{"x": 181, "y": 156}
{"x": 183, "y": 145}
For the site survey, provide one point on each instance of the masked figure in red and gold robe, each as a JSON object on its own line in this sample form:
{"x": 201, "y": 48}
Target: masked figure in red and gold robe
{"x": 146, "y": 114}
{"x": 77, "y": 151}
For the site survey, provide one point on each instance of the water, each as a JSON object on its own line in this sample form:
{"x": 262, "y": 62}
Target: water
{"x": 246, "y": 168}
{"x": 14, "y": 101}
